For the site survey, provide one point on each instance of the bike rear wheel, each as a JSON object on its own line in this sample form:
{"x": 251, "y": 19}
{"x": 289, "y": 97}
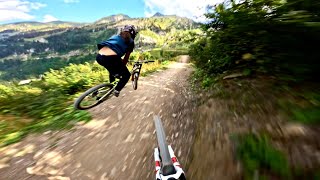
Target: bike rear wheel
{"x": 94, "y": 96}
{"x": 167, "y": 167}
{"x": 135, "y": 80}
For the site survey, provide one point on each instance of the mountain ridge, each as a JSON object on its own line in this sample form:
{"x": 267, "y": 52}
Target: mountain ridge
{"x": 112, "y": 18}
{"x": 157, "y": 14}
{"x": 26, "y": 39}
{"x": 37, "y": 47}
{"x": 104, "y": 20}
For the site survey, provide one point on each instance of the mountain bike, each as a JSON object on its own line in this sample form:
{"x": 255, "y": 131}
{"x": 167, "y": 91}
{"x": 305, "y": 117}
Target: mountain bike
{"x": 167, "y": 164}
{"x": 100, "y": 93}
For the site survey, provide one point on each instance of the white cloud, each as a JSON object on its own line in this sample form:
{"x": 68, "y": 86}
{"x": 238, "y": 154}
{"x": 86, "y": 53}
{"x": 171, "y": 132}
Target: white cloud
{"x": 194, "y": 9}
{"x": 71, "y": 1}
{"x": 49, "y": 18}
{"x": 17, "y": 9}
{"x": 7, "y": 15}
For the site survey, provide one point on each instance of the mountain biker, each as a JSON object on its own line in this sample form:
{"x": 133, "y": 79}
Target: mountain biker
{"x": 111, "y": 51}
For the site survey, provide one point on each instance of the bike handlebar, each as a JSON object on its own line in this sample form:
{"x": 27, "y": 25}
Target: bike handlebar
{"x": 142, "y": 61}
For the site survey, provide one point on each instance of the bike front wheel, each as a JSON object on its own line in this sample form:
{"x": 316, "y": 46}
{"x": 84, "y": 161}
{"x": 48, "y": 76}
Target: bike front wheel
{"x": 135, "y": 80}
{"x": 94, "y": 96}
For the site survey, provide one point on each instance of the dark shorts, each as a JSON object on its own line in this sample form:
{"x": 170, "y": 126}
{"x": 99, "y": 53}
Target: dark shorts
{"x": 115, "y": 67}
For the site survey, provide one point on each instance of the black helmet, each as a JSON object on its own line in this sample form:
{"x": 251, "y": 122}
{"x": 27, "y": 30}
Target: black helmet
{"x": 131, "y": 29}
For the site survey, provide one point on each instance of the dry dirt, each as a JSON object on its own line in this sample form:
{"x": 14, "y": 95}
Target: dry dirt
{"x": 241, "y": 106}
{"x": 119, "y": 142}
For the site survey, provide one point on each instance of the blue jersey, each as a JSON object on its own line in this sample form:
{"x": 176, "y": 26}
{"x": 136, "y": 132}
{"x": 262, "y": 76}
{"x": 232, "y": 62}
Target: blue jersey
{"x": 118, "y": 45}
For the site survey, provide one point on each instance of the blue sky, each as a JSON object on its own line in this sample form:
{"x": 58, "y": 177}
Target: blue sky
{"x": 92, "y": 10}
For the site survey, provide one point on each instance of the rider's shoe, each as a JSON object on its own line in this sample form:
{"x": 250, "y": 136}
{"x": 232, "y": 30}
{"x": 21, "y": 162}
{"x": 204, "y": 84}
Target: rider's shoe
{"x": 116, "y": 93}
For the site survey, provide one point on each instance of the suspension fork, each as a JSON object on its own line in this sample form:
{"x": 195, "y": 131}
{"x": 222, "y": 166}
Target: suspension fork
{"x": 135, "y": 67}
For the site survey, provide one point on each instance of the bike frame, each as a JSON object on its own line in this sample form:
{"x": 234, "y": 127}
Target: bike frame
{"x": 114, "y": 83}
{"x": 136, "y": 69}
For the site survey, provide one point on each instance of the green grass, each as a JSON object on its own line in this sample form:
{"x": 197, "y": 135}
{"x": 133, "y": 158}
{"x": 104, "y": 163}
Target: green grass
{"x": 303, "y": 107}
{"x": 258, "y": 155}
{"x": 48, "y": 104}
{"x": 306, "y": 116}
{"x": 247, "y": 72}
{"x": 164, "y": 54}
{"x": 152, "y": 67}
{"x": 36, "y": 113}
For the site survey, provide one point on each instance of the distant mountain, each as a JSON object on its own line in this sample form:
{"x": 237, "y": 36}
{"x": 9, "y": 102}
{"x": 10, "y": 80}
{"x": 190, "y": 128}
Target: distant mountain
{"x": 36, "y": 38}
{"x": 25, "y": 22}
{"x": 66, "y": 22}
{"x": 157, "y": 15}
{"x": 38, "y": 26}
{"x": 43, "y": 23}
{"x": 35, "y": 47}
{"x": 112, "y": 19}
{"x": 157, "y": 21}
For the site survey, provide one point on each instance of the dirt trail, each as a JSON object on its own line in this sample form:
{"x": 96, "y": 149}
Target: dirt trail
{"x": 118, "y": 143}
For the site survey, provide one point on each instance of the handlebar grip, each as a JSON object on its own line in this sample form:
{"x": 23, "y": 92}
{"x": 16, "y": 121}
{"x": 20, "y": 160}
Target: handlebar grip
{"x": 147, "y": 61}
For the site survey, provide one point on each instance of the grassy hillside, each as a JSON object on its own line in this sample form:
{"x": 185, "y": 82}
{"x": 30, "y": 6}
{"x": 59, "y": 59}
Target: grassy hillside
{"x": 41, "y": 46}
{"x": 37, "y": 26}
{"x": 46, "y": 104}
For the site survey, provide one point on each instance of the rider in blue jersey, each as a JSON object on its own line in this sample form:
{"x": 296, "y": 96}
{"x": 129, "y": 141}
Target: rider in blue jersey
{"x": 111, "y": 51}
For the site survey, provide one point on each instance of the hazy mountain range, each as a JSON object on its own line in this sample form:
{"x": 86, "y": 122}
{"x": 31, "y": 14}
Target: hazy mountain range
{"x": 54, "y": 44}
